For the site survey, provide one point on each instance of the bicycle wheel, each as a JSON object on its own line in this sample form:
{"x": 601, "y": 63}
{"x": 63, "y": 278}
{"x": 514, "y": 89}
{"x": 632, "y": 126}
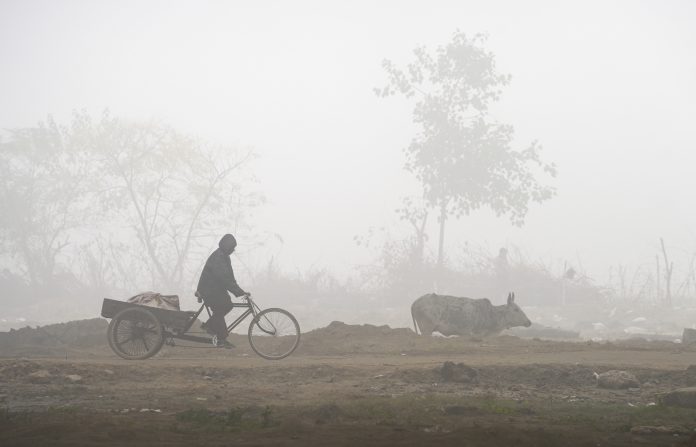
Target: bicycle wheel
{"x": 274, "y": 334}
{"x": 135, "y": 334}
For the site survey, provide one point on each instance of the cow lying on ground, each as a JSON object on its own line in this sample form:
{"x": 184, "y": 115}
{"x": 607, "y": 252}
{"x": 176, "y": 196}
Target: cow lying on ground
{"x": 451, "y": 315}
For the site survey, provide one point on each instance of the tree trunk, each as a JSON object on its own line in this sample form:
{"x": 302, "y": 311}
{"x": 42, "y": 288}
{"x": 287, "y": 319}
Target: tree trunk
{"x": 657, "y": 279}
{"x": 419, "y": 248}
{"x": 441, "y": 244}
{"x": 669, "y": 266}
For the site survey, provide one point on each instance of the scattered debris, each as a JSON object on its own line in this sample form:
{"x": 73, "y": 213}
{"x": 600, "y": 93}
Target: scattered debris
{"x": 616, "y": 380}
{"x": 40, "y": 376}
{"x": 575, "y": 398}
{"x": 542, "y": 332}
{"x": 458, "y": 372}
{"x": 690, "y": 375}
{"x": 688, "y": 336}
{"x": 659, "y": 430}
{"x": 683, "y": 397}
{"x": 74, "y": 378}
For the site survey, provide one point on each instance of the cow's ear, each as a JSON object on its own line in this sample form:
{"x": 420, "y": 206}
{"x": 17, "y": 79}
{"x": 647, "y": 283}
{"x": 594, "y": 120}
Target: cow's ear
{"x": 513, "y": 297}
{"x": 510, "y": 298}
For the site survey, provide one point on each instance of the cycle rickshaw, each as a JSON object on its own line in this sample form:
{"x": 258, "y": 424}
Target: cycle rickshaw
{"x": 137, "y": 332}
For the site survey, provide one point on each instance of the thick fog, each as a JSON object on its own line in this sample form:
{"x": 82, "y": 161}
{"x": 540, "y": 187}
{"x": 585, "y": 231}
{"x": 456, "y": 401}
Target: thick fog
{"x": 607, "y": 90}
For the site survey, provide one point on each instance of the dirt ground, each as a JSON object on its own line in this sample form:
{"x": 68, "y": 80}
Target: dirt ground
{"x": 345, "y": 385}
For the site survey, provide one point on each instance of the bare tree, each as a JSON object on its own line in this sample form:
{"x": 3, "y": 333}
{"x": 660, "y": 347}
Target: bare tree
{"x": 174, "y": 192}
{"x": 44, "y": 191}
{"x": 669, "y": 268}
{"x": 416, "y": 214}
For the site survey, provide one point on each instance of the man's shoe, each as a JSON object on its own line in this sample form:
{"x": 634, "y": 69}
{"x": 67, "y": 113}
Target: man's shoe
{"x": 222, "y": 343}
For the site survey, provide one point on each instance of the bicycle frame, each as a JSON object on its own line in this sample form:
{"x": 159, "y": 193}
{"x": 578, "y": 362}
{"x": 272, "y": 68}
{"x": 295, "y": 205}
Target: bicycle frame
{"x": 251, "y": 309}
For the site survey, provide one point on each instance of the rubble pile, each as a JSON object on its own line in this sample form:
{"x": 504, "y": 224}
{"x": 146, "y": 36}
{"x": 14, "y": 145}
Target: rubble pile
{"x": 78, "y": 334}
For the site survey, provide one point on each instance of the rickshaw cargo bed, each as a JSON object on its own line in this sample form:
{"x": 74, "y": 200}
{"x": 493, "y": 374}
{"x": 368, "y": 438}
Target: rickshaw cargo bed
{"x": 173, "y": 319}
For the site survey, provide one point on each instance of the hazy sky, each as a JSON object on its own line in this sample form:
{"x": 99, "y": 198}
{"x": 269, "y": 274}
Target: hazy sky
{"x": 608, "y": 88}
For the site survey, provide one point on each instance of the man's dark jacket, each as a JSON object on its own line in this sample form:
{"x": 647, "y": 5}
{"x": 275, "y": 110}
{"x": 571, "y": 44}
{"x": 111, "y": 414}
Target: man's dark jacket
{"x": 217, "y": 278}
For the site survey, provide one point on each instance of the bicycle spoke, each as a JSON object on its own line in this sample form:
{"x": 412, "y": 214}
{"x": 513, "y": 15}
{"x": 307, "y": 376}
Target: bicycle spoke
{"x": 123, "y": 342}
{"x": 147, "y": 348}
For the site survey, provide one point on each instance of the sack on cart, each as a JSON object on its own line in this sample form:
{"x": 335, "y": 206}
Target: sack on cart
{"x": 154, "y": 299}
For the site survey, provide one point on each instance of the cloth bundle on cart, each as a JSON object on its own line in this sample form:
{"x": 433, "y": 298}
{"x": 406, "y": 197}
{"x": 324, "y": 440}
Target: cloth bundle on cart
{"x": 154, "y": 299}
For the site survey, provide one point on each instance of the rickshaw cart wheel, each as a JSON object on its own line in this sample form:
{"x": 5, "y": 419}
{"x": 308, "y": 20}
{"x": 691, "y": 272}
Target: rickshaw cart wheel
{"x": 135, "y": 334}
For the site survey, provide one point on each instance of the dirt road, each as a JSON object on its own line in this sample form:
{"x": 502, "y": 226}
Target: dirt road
{"x": 362, "y": 389}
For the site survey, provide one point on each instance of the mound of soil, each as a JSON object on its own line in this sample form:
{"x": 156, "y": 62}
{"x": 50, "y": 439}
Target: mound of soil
{"x": 341, "y": 338}
{"x": 46, "y": 340}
